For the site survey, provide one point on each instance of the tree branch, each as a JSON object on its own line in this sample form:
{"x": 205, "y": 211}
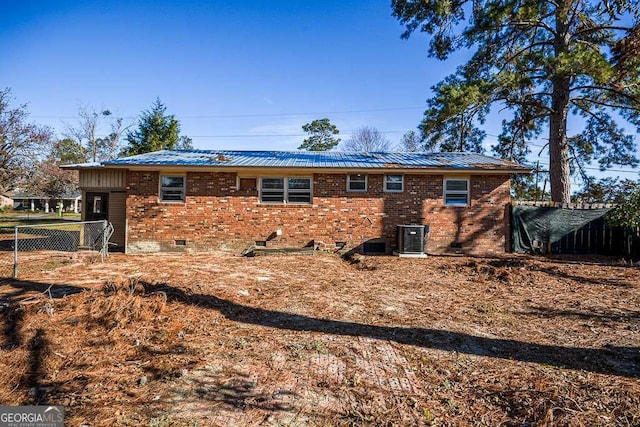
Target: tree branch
{"x": 593, "y": 46}
{"x": 532, "y": 101}
{"x": 581, "y": 169}
{"x": 608, "y": 89}
{"x": 589, "y": 112}
{"x": 521, "y": 51}
{"x": 534, "y": 24}
{"x": 605, "y": 104}
{"x": 600, "y": 28}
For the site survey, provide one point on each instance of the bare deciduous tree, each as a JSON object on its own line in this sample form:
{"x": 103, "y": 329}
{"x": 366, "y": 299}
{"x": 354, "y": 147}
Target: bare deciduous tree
{"x": 367, "y": 139}
{"x": 86, "y": 132}
{"x": 21, "y": 143}
{"x": 411, "y": 142}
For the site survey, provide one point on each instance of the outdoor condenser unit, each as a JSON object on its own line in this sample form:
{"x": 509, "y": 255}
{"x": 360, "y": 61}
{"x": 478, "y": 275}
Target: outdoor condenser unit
{"x": 411, "y": 239}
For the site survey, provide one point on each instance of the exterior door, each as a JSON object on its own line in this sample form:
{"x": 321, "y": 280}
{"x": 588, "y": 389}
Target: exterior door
{"x": 96, "y": 206}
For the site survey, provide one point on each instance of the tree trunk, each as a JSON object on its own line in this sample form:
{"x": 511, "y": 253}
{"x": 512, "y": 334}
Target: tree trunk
{"x": 558, "y": 146}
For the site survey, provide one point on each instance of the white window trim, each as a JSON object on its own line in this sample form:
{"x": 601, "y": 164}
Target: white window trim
{"x": 445, "y": 192}
{"x": 184, "y": 188}
{"x": 286, "y": 190}
{"x": 366, "y": 183}
{"x": 385, "y": 183}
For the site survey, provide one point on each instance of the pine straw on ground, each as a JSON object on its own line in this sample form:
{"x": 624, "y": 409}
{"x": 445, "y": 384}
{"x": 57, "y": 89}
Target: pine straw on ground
{"x": 316, "y": 340}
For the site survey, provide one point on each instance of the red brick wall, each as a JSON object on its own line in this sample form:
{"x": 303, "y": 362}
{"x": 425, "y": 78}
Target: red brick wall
{"x": 217, "y": 216}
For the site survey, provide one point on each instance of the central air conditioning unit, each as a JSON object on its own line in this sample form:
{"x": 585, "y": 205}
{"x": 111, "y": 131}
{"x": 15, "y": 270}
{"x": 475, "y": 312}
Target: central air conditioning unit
{"x": 411, "y": 238}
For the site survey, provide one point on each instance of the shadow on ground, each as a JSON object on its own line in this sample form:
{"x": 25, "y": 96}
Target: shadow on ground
{"x": 12, "y": 312}
{"x": 622, "y": 361}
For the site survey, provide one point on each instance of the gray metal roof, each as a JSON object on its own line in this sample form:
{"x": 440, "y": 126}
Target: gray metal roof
{"x": 315, "y": 159}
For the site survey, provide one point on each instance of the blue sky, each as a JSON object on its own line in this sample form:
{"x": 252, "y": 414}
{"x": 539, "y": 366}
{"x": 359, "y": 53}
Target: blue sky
{"x": 238, "y": 75}
{"x": 223, "y": 68}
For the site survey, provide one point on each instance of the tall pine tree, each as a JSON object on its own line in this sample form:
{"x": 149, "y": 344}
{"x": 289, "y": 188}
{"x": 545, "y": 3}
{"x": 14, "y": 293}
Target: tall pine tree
{"x": 321, "y": 136}
{"x": 546, "y": 62}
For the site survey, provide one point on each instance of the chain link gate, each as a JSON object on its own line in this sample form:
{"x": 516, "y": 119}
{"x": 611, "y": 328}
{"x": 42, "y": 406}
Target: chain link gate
{"x": 43, "y": 240}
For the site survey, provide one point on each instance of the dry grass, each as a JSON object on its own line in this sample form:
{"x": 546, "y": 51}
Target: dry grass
{"x": 315, "y": 340}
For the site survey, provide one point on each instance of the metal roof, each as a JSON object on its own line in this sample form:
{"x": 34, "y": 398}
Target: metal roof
{"x": 89, "y": 165}
{"x": 314, "y": 159}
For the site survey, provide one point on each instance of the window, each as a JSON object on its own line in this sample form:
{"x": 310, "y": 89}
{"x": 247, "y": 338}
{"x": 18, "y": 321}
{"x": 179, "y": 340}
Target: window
{"x": 247, "y": 184}
{"x": 285, "y": 190}
{"x": 456, "y": 192}
{"x": 299, "y": 190}
{"x": 272, "y": 190}
{"x": 172, "y": 188}
{"x": 394, "y": 183}
{"x": 356, "y": 182}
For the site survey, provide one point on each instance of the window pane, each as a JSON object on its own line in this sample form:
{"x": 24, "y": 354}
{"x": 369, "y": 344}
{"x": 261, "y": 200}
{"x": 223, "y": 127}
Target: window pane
{"x": 357, "y": 182}
{"x": 456, "y": 185}
{"x": 299, "y": 198}
{"x": 394, "y": 186}
{"x": 172, "y": 181}
{"x": 355, "y": 185}
{"x": 172, "y": 188}
{"x": 393, "y": 182}
{"x": 277, "y": 197}
{"x": 299, "y": 183}
{"x": 172, "y": 195}
{"x": 455, "y": 199}
{"x": 273, "y": 183}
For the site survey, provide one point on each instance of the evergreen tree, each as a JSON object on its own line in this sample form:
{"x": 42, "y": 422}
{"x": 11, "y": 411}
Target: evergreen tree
{"x": 156, "y": 131}
{"x": 321, "y": 136}
{"x": 627, "y": 211}
{"x": 544, "y": 62}
{"x": 67, "y": 151}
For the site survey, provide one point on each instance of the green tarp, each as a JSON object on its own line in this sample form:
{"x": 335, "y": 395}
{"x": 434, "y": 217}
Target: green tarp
{"x": 535, "y": 229}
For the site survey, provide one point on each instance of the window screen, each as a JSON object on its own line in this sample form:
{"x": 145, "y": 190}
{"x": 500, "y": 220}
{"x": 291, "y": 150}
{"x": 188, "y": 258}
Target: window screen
{"x": 393, "y": 183}
{"x": 299, "y": 190}
{"x": 285, "y": 190}
{"x": 272, "y": 190}
{"x": 172, "y": 188}
{"x": 456, "y": 192}
{"x": 356, "y": 182}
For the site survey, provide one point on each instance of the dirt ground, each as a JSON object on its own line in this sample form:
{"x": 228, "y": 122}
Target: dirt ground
{"x": 298, "y": 340}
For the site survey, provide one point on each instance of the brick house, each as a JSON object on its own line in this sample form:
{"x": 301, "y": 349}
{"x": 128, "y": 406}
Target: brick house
{"x": 203, "y": 200}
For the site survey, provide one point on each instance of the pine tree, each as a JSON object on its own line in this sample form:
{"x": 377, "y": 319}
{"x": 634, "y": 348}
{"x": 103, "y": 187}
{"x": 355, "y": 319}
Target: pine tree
{"x": 156, "y": 131}
{"x": 549, "y": 64}
{"x": 321, "y": 136}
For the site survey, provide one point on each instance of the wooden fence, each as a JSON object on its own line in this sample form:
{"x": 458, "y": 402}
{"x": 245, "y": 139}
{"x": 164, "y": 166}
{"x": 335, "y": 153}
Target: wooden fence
{"x": 598, "y": 237}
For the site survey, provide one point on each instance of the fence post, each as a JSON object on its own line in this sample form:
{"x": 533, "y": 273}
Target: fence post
{"x": 15, "y": 253}
{"x": 105, "y": 242}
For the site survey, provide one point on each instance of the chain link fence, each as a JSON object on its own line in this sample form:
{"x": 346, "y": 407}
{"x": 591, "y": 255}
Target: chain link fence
{"x": 45, "y": 246}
